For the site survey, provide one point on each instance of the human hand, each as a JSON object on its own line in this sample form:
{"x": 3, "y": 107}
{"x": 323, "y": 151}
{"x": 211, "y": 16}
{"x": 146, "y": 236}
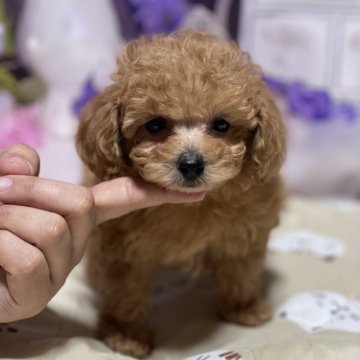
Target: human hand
{"x": 44, "y": 225}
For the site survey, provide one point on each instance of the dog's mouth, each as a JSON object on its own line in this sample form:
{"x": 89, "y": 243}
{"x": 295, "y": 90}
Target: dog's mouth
{"x": 187, "y": 185}
{"x": 191, "y": 187}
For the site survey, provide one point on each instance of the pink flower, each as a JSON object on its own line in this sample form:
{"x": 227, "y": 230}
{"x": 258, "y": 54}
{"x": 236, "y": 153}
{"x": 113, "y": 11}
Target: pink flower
{"x": 20, "y": 125}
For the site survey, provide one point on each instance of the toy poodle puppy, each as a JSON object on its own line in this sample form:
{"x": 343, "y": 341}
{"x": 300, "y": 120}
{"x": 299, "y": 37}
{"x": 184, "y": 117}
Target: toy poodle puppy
{"x": 190, "y": 113}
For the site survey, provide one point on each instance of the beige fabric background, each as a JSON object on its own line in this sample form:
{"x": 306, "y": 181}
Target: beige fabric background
{"x": 184, "y": 318}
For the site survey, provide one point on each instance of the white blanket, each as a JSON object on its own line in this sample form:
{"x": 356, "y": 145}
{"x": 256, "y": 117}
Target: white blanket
{"x": 184, "y": 316}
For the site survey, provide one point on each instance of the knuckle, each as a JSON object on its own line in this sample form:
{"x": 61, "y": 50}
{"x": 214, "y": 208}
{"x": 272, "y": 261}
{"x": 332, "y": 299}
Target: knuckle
{"x": 5, "y": 214}
{"x": 30, "y": 185}
{"x": 31, "y": 264}
{"x": 128, "y": 187}
{"x": 85, "y": 202}
{"x": 5, "y": 235}
{"x": 56, "y": 229}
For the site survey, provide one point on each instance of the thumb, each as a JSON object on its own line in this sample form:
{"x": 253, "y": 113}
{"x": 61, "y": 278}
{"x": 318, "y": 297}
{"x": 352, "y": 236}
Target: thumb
{"x": 120, "y": 196}
{"x": 19, "y": 159}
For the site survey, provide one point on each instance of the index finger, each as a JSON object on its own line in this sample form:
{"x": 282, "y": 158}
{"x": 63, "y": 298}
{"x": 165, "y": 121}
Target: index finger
{"x": 73, "y": 202}
{"x": 120, "y": 196}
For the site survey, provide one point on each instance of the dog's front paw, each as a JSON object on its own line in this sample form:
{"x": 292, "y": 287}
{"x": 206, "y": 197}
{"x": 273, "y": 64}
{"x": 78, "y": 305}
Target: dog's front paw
{"x": 126, "y": 338}
{"x": 137, "y": 346}
{"x": 256, "y": 313}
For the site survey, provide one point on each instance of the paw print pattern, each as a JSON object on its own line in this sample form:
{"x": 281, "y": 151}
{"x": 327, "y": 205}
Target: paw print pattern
{"x": 8, "y": 328}
{"x": 307, "y": 242}
{"x": 316, "y": 311}
{"x": 230, "y": 355}
{"x": 218, "y": 355}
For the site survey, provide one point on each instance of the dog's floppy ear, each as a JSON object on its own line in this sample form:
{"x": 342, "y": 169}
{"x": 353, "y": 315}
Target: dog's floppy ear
{"x": 97, "y": 137}
{"x": 269, "y": 143}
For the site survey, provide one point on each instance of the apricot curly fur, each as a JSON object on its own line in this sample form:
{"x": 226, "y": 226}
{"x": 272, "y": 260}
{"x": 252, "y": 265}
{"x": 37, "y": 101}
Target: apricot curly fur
{"x": 188, "y": 79}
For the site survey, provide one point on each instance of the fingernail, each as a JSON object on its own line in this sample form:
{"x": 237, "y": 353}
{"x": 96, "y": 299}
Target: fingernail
{"x": 5, "y": 183}
{"x": 23, "y": 164}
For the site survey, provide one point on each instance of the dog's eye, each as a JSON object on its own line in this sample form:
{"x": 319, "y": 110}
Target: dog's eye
{"x": 220, "y": 125}
{"x": 155, "y": 125}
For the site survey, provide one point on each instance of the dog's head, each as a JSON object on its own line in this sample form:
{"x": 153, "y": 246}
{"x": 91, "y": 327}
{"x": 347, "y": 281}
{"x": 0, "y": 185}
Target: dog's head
{"x": 188, "y": 112}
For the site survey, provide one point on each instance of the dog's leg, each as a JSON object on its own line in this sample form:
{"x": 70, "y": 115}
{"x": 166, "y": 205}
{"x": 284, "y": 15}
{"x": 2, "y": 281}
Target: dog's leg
{"x": 124, "y": 299}
{"x": 237, "y": 280}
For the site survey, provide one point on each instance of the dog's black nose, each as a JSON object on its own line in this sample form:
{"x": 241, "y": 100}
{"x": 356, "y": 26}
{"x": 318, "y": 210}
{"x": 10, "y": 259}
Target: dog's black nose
{"x": 191, "y": 165}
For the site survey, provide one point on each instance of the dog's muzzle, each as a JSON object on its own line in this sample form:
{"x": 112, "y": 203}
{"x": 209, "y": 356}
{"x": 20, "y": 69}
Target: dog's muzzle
{"x": 191, "y": 165}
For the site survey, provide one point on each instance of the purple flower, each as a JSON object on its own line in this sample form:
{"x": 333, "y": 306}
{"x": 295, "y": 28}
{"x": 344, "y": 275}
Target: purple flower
{"x": 88, "y": 93}
{"x": 346, "y": 111}
{"x": 276, "y": 85}
{"x": 159, "y": 16}
{"x": 311, "y": 104}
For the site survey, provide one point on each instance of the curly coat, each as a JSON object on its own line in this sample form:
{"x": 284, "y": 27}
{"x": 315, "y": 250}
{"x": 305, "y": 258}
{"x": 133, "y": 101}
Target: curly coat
{"x": 189, "y": 79}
